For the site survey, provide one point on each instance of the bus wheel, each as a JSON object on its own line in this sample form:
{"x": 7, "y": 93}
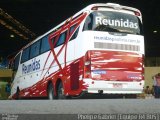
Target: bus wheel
{"x": 51, "y": 95}
{"x": 60, "y": 91}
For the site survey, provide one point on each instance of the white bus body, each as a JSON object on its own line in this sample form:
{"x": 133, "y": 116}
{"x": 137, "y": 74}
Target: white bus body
{"x": 98, "y": 50}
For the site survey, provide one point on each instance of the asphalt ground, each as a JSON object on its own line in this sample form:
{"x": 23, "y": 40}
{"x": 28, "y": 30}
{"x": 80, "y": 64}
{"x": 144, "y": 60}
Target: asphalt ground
{"x": 79, "y": 109}
{"x": 80, "y": 106}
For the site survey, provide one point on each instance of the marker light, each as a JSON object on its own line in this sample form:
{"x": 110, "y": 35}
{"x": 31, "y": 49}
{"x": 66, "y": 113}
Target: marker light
{"x": 137, "y": 13}
{"x": 94, "y": 8}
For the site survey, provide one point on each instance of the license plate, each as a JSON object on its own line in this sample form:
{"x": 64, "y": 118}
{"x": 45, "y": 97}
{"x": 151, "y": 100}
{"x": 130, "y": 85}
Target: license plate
{"x": 117, "y": 85}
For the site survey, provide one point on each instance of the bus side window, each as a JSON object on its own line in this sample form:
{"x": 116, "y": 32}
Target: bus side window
{"x": 75, "y": 34}
{"x": 35, "y": 48}
{"x": 88, "y": 23}
{"x": 53, "y": 40}
{"x": 44, "y": 44}
{"x": 25, "y": 54}
{"x": 72, "y": 29}
{"x": 16, "y": 62}
{"x": 61, "y": 39}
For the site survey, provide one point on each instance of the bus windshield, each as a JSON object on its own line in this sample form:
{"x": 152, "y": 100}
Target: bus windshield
{"x": 111, "y": 21}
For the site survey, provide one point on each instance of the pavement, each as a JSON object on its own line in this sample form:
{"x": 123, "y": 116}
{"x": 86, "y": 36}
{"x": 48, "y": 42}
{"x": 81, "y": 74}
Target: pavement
{"x": 73, "y": 108}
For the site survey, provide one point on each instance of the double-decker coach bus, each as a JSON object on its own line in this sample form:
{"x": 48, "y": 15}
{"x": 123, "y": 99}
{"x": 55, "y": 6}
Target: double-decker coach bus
{"x": 98, "y": 50}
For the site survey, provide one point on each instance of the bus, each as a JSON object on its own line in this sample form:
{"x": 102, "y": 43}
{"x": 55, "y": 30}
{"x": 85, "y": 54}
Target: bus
{"x": 99, "y": 50}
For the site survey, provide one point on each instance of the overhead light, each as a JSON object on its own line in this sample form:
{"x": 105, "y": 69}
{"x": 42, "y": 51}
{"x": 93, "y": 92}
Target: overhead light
{"x": 12, "y": 36}
{"x": 155, "y": 31}
{"x": 13, "y": 29}
{"x": 16, "y": 24}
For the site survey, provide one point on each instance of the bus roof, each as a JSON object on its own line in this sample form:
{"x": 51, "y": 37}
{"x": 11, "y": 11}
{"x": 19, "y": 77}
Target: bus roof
{"x": 88, "y": 8}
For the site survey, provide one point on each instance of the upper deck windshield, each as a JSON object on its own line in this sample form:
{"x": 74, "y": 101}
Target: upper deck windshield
{"x": 111, "y": 21}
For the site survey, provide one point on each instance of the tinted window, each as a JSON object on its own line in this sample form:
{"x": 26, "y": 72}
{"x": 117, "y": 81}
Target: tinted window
{"x": 16, "y": 62}
{"x": 61, "y": 39}
{"x": 113, "y": 22}
{"x": 75, "y": 34}
{"x": 45, "y": 44}
{"x": 25, "y": 54}
{"x": 35, "y": 48}
{"x": 72, "y": 29}
{"x": 53, "y": 40}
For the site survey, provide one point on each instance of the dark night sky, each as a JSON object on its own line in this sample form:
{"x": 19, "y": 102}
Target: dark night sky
{"x": 42, "y": 15}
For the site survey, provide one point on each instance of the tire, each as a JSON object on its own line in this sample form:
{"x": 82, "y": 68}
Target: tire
{"x": 51, "y": 95}
{"x": 60, "y": 92}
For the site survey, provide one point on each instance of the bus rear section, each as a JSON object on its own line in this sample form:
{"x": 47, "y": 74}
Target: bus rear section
{"x": 114, "y": 42}
{"x": 113, "y": 72}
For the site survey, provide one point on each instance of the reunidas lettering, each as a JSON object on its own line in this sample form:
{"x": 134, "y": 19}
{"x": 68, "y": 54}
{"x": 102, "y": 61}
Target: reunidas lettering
{"x": 35, "y": 65}
{"x": 119, "y": 23}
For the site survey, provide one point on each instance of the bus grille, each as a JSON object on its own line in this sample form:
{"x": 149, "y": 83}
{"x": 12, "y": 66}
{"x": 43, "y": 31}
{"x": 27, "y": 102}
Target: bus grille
{"x": 116, "y": 46}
